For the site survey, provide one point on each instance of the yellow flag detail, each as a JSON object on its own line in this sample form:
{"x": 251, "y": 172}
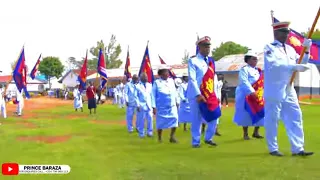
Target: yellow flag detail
{"x": 294, "y": 41}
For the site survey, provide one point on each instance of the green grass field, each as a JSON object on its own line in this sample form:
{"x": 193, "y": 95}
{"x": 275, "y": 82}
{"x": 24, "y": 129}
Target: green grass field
{"x": 108, "y": 152}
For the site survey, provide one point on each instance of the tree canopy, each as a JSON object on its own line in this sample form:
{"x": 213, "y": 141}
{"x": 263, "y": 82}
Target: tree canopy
{"x": 228, "y": 48}
{"x": 111, "y": 52}
{"x": 51, "y": 67}
{"x": 315, "y": 35}
{"x": 185, "y": 57}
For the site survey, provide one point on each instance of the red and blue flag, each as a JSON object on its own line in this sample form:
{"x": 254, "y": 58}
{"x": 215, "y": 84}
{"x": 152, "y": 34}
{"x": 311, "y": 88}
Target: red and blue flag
{"x": 82, "y": 78}
{"x": 296, "y": 39}
{"x": 210, "y": 110}
{"x": 171, "y": 73}
{"x": 254, "y": 105}
{"x": 127, "y": 68}
{"x": 146, "y": 66}
{"x": 35, "y": 68}
{"x": 20, "y": 74}
{"x": 102, "y": 71}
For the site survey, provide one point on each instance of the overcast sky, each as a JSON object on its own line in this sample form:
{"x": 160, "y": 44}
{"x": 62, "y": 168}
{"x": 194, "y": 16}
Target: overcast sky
{"x": 67, "y": 28}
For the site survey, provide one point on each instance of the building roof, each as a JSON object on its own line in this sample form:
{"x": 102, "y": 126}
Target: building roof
{"x": 7, "y": 78}
{"x": 77, "y": 72}
{"x": 233, "y": 63}
{"x": 118, "y": 73}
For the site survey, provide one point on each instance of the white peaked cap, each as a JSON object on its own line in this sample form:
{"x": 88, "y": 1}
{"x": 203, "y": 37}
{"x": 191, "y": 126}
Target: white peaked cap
{"x": 163, "y": 66}
{"x": 251, "y": 53}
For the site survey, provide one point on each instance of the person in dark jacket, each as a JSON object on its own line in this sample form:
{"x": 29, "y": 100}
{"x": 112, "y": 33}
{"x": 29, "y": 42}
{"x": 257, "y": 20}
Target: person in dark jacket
{"x": 224, "y": 91}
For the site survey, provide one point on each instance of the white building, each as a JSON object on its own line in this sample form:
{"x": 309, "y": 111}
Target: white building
{"x": 34, "y": 86}
{"x": 306, "y": 83}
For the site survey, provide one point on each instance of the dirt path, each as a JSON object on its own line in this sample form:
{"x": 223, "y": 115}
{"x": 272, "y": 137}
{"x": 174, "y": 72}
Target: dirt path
{"x": 45, "y": 139}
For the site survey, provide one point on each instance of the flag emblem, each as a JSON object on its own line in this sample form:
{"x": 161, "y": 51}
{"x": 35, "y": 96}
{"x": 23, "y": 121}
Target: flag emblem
{"x": 294, "y": 41}
{"x": 210, "y": 110}
{"x": 255, "y": 106}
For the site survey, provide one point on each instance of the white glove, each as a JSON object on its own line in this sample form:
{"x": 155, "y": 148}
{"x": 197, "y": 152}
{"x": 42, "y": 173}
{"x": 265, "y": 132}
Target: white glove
{"x": 307, "y": 43}
{"x": 301, "y": 67}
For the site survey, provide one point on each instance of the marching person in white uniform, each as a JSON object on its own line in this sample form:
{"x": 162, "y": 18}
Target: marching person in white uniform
{"x": 77, "y": 101}
{"x": 281, "y": 101}
{"x": 184, "y": 110}
{"x": 218, "y": 88}
{"x": 20, "y": 100}
{"x": 120, "y": 91}
{"x": 3, "y": 102}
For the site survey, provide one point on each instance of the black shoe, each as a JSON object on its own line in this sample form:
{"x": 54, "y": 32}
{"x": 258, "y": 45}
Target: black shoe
{"x": 246, "y": 137}
{"x": 211, "y": 143}
{"x": 276, "y": 153}
{"x": 217, "y": 134}
{"x": 257, "y": 136}
{"x": 173, "y": 140}
{"x": 303, "y": 153}
{"x": 196, "y": 146}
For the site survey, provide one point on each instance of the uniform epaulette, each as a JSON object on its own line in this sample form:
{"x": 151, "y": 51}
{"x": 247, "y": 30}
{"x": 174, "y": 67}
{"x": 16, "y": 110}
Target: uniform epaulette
{"x": 243, "y": 66}
{"x": 193, "y": 56}
{"x": 273, "y": 44}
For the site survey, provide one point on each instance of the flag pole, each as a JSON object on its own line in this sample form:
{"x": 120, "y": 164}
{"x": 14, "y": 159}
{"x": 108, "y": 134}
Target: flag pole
{"x": 272, "y": 20}
{"x": 304, "y": 49}
{"x": 97, "y": 78}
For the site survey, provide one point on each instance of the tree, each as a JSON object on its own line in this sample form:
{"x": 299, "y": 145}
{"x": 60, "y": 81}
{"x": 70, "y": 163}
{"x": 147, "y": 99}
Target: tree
{"x": 228, "y": 48}
{"x": 51, "y": 67}
{"x": 73, "y": 63}
{"x": 185, "y": 57}
{"x": 13, "y": 64}
{"x": 112, "y": 52}
{"x": 77, "y": 64}
{"x": 315, "y": 35}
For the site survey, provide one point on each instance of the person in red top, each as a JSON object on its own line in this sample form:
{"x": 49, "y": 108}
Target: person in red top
{"x": 91, "y": 95}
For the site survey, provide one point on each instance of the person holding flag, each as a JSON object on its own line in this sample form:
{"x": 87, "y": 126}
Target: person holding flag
{"x": 91, "y": 96}
{"x": 249, "y": 77}
{"x": 164, "y": 103}
{"x": 203, "y": 101}
{"x": 281, "y": 101}
{"x": 19, "y": 101}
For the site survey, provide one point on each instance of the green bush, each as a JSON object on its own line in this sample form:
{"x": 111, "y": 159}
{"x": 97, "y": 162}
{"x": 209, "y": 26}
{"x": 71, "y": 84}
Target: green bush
{"x": 61, "y": 94}
{"x": 44, "y": 93}
{"x": 70, "y": 95}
